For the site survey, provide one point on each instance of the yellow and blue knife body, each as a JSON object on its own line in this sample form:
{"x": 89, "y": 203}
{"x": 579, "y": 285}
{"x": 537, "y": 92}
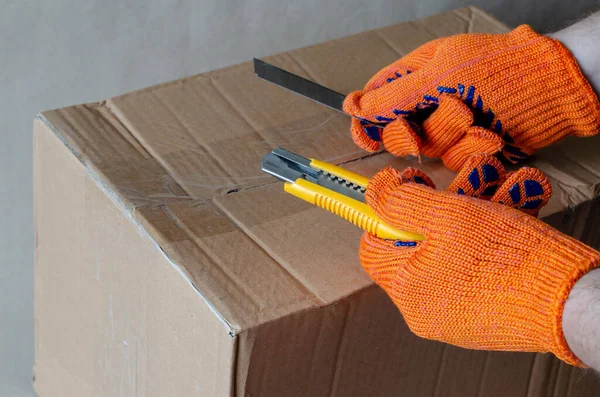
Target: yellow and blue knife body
{"x": 333, "y": 188}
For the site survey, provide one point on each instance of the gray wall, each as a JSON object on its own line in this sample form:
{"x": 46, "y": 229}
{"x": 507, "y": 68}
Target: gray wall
{"x": 62, "y": 52}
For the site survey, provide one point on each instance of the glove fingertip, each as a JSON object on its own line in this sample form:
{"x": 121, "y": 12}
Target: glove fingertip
{"x": 351, "y": 103}
{"x": 415, "y": 175}
{"x": 381, "y": 186}
{"x": 480, "y": 177}
{"x": 361, "y": 138}
{"x": 401, "y": 138}
{"x": 527, "y": 190}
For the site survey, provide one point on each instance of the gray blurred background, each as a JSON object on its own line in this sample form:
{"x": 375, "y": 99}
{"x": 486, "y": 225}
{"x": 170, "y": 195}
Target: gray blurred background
{"x": 63, "y": 52}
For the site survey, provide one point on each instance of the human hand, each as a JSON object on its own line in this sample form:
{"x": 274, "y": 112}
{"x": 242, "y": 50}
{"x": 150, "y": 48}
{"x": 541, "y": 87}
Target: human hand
{"x": 476, "y": 93}
{"x": 489, "y": 275}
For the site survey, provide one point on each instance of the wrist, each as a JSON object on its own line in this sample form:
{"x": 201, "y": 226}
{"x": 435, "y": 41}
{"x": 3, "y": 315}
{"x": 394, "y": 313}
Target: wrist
{"x": 581, "y": 40}
{"x": 579, "y": 320}
{"x": 564, "y": 262}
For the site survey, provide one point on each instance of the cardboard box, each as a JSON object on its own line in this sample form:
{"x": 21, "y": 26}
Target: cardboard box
{"x": 168, "y": 264}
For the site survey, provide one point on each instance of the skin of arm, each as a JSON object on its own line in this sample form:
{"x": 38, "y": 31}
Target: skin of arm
{"x": 581, "y": 314}
{"x": 581, "y": 319}
{"x": 582, "y": 40}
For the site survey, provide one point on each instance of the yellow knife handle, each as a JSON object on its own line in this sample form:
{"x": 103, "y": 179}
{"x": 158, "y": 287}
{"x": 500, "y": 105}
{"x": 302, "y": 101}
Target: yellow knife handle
{"x": 348, "y": 208}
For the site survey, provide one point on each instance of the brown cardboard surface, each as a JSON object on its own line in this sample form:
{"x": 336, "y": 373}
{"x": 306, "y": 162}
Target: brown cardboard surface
{"x": 167, "y": 263}
{"x": 113, "y": 316}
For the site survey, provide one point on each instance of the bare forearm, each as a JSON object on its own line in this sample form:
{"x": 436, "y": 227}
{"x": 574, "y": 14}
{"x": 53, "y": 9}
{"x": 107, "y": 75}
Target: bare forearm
{"x": 581, "y": 319}
{"x": 583, "y": 39}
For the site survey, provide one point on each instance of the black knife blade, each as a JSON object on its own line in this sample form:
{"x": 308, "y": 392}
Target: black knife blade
{"x": 299, "y": 85}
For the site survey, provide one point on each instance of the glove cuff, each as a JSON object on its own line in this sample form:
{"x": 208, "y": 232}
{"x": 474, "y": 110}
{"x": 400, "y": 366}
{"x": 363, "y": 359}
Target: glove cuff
{"x": 561, "y": 265}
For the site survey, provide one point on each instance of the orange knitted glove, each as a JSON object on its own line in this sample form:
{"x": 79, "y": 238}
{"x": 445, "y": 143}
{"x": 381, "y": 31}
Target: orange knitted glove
{"x": 476, "y": 93}
{"x": 487, "y": 276}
